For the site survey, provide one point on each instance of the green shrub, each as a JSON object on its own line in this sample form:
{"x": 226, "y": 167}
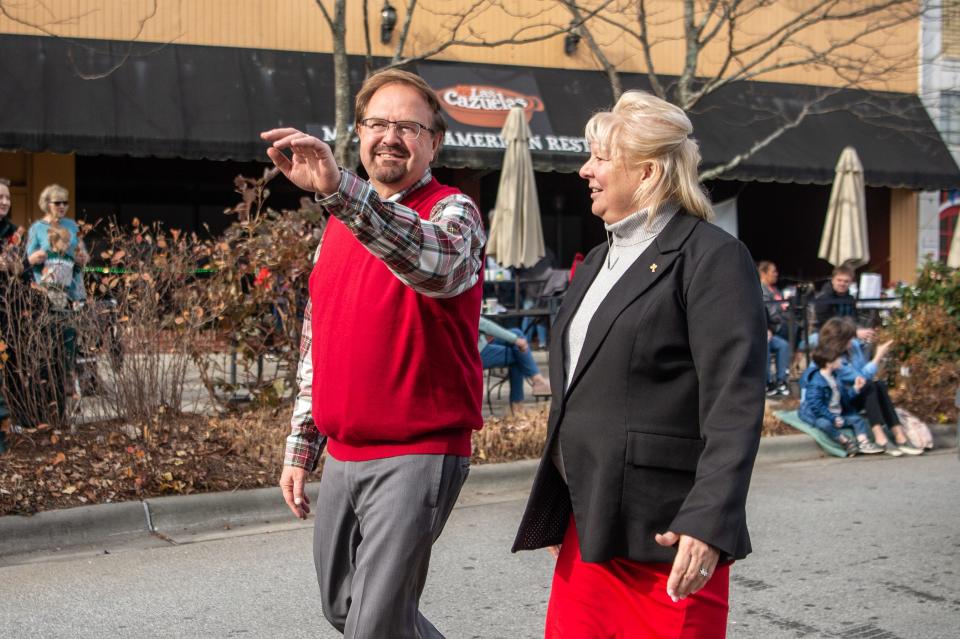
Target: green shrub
{"x": 926, "y": 331}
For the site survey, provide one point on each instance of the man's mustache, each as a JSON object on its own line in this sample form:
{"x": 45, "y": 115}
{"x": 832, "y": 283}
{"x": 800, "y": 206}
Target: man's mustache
{"x": 399, "y": 150}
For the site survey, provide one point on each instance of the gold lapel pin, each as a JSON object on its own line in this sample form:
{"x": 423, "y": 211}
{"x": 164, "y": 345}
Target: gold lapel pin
{"x": 653, "y": 267}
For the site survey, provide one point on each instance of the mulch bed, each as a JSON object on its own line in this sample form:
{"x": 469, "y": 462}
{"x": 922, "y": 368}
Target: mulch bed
{"x": 47, "y": 469}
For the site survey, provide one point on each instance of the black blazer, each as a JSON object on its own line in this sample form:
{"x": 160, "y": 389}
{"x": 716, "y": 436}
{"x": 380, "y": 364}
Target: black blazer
{"x": 661, "y": 422}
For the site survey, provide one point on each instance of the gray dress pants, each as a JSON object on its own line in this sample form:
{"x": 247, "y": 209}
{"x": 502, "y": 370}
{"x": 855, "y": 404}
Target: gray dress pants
{"x": 376, "y": 522}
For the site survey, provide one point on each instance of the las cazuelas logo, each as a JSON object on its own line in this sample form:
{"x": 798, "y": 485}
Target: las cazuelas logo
{"x": 485, "y": 105}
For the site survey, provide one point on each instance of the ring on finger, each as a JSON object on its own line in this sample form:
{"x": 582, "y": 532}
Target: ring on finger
{"x": 704, "y": 572}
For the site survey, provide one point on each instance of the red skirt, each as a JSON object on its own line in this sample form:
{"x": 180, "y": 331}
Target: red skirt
{"x": 626, "y": 599}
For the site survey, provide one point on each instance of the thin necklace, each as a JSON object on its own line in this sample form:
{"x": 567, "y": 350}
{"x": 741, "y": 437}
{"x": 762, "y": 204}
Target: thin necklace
{"x": 611, "y": 264}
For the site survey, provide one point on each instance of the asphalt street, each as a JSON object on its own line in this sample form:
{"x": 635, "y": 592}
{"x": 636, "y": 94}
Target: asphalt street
{"x": 861, "y": 548}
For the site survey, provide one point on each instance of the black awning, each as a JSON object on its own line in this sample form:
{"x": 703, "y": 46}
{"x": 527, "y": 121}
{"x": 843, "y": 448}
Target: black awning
{"x": 211, "y": 102}
{"x": 168, "y": 101}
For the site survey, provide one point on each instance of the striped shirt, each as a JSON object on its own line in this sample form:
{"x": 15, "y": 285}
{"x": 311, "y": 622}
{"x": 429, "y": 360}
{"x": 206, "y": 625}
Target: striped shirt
{"x": 439, "y": 257}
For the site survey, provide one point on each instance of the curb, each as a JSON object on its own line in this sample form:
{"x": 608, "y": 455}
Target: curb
{"x": 100, "y": 523}
{"x": 192, "y": 514}
{"x": 211, "y": 511}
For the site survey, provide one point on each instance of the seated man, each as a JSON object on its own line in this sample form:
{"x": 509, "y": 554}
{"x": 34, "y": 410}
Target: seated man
{"x": 835, "y": 300}
{"x": 509, "y": 348}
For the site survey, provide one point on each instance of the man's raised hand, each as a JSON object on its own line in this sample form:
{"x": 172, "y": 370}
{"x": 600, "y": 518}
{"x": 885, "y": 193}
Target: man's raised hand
{"x": 311, "y": 165}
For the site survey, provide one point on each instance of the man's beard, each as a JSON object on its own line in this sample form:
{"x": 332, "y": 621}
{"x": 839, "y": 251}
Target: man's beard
{"x": 391, "y": 171}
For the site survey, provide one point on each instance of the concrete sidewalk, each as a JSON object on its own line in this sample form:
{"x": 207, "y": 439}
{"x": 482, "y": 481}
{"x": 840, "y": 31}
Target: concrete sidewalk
{"x": 191, "y": 518}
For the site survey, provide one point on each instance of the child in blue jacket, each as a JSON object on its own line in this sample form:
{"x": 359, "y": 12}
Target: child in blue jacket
{"x": 827, "y": 404}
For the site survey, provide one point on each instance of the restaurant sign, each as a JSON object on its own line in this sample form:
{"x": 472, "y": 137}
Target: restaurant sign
{"x": 476, "y": 101}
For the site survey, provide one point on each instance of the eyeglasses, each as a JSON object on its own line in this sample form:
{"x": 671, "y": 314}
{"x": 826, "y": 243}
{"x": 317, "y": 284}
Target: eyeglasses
{"x": 405, "y": 129}
{"x": 60, "y": 203}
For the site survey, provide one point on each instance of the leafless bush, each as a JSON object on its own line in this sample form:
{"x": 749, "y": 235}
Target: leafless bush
{"x": 34, "y": 354}
{"x": 143, "y": 320}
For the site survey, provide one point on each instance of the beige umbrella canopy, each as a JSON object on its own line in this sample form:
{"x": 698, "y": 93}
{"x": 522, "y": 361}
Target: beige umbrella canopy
{"x": 844, "y": 236}
{"x": 953, "y": 256}
{"x": 516, "y": 237}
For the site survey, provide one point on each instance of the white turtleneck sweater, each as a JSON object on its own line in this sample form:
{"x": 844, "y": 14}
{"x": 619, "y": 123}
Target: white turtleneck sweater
{"x": 626, "y": 241}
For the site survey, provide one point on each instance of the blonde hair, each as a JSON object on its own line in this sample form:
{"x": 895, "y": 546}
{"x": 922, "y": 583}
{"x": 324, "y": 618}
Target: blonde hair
{"x": 50, "y": 193}
{"x": 643, "y": 128}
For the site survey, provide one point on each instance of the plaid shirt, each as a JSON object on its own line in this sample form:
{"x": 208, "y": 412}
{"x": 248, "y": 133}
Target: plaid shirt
{"x": 438, "y": 258}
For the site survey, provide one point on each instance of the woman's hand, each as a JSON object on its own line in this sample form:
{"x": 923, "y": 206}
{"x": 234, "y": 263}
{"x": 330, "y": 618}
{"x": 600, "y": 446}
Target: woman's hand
{"x": 882, "y": 350}
{"x": 859, "y": 383}
{"x": 37, "y": 257}
{"x": 694, "y": 560}
{"x": 521, "y": 344}
{"x": 554, "y": 550}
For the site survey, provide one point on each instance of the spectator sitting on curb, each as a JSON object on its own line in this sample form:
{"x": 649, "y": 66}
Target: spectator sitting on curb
{"x": 873, "y": 399}
{"x": 509, "y": 348}
{"x": 827, "y": 404}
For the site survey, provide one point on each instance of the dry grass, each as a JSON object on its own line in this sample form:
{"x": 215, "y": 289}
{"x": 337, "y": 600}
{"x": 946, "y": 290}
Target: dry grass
{"x": 519, "y": 436}
{"x": 773, "y": 426}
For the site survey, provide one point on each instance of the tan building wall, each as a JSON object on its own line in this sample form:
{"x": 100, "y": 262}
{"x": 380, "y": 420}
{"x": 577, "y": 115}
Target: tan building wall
{"x": 299, "y": 25}
{"x": 904, "y": 211}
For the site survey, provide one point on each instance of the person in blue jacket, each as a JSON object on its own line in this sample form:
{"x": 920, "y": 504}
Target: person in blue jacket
{"x": 872, "y": 398}
{"x": 828, "y": 405}
{"x": 500, "y": 346}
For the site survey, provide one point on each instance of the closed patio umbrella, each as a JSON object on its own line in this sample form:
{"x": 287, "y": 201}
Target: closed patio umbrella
{"x": 516, "y": 236}
{"x": 844, "y": 236}
{"x": 953, "y": 257}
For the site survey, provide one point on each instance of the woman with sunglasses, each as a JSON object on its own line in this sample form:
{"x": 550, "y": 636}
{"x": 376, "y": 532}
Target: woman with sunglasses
{"x": 54, "y": 202}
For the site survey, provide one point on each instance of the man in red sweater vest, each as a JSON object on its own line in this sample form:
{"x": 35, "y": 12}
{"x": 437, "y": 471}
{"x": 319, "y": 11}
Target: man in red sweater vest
{"x": 390, "y": 379}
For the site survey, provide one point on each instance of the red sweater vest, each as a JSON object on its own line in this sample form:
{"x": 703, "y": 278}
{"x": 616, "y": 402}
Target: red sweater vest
{"x": 394, "y": 372}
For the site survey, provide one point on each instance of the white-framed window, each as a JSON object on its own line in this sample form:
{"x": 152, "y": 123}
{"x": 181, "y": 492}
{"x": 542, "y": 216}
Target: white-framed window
{"x": 950, "y": 117}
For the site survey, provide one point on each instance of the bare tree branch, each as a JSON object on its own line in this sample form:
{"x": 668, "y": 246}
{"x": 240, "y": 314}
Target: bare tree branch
{"x": 405, "y": 32}
{"x": 616, "y": 87}
{"x": 326, "y": 15}
{"x": 368, "y": 49}
{"x": 739, "y": 158}
{"x": 48, "y": 28}
{"x": 854, "y": 51}
{"x": 644, "y": 37}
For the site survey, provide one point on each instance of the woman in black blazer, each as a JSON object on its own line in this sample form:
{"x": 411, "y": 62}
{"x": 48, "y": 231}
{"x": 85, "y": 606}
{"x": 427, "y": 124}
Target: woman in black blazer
{"x": 657, "y": 369}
